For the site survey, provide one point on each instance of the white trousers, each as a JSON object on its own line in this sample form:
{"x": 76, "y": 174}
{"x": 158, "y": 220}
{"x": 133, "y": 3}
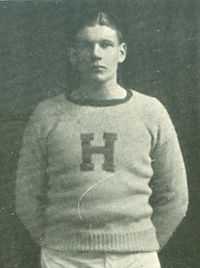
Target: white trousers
{"x": 57, "y": 259}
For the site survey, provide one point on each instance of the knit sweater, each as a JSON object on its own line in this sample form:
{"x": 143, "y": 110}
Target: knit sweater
{"x": 101, "y": 177}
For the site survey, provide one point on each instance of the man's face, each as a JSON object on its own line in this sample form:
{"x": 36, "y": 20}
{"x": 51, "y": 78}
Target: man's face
{"x": 97, "y": 53}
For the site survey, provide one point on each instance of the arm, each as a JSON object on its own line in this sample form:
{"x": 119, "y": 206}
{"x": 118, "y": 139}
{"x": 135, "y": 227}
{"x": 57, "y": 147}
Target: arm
{"x": 31, "y": 179}
{"x": 169, "y": 185}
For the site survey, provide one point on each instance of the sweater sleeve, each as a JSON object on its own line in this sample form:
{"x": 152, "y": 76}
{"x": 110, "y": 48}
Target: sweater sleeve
{"x": 31, "y": 179}
{"x": 169, "y": 184}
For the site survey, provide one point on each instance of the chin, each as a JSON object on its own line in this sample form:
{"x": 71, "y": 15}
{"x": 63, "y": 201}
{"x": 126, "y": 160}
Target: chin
{"x": 99, "y": 78}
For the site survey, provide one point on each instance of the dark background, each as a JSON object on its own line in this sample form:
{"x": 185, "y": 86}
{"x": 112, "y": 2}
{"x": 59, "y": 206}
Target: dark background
{"x": 163, "y": 61}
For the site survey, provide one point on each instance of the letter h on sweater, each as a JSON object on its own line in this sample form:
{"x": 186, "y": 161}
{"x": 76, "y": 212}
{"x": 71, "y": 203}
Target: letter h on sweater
{"x": 107, "y": 150}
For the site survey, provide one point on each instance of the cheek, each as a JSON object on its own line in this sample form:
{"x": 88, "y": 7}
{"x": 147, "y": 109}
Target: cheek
{"x": 113, "y": 62}
{"x": 113, "y": 56}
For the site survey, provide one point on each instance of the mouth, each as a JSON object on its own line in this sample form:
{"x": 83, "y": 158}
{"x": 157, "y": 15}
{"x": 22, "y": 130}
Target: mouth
{"x": 98, "y": 68}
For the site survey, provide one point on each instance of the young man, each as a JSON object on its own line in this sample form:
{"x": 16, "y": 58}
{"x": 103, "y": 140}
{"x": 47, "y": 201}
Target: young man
{"x": 101, "y": 180}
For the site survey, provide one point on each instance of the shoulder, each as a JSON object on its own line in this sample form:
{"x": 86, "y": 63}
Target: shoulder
{"x": 50, "y": 106}
{"x": 149, "y": 106}
{"x": 155, "y": 117}
{"x": 47, "y": 113}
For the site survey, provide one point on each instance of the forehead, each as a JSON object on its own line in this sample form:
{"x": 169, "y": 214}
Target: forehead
{"x": 97, "y": 33}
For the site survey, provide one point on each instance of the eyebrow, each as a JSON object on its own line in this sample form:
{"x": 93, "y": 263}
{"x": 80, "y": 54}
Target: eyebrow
{"x": 86, "y": 41}
{"x": 107, "y": 40}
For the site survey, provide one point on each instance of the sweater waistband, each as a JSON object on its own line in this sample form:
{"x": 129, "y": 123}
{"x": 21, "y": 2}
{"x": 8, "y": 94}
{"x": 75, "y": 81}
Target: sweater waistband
{"x": 142, "y": 241}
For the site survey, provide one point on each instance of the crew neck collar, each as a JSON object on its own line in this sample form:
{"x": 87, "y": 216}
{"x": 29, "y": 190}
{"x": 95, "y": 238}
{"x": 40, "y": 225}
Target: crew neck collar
{"x": 93, "y": 102}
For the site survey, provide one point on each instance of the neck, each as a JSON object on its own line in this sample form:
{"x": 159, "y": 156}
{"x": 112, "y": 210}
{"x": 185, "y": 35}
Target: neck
{"x": 100, "y": 91}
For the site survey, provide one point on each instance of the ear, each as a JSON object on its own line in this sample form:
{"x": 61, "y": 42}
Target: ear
{"x": 72, "y": 55}
{"x": 122, "y": 52}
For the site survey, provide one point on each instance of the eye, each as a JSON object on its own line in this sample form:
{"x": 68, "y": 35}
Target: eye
{"x": 106, "y": 44}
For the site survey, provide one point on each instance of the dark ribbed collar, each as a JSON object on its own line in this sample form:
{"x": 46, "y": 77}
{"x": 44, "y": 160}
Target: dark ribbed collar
{"x": 93, "y": 102}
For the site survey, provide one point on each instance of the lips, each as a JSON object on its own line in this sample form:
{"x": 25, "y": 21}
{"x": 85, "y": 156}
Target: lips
{"x": 98, "y": 67}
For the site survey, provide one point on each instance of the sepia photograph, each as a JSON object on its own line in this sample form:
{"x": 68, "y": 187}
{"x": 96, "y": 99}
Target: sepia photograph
{"x": 99, "y": 134}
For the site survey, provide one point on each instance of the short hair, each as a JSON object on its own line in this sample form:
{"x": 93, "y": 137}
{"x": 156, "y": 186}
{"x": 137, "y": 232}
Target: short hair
{"x": 91, "y": 17}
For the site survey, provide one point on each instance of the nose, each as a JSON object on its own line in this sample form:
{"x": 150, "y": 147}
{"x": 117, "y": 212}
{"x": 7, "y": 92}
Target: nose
{"x": 97, "y": 52}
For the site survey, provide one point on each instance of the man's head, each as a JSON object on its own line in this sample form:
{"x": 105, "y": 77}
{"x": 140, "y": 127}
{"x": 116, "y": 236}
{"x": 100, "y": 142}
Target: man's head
{"x": 98, "y": 47}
